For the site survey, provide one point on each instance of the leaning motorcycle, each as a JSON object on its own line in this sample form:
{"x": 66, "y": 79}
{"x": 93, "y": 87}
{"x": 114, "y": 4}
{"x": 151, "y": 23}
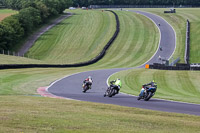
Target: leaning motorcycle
{"x": 86, "y": 86}
{"x": 111, "y": 91}
{"x": 147, "y": 92}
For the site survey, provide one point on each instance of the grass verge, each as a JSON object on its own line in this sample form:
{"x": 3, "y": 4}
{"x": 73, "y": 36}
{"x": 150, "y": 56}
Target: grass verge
{"x": 38, "y": 114}
{"x": 26, "y": 81}
{"x": 172, "y": 85}
{"x": 79, "y": 38}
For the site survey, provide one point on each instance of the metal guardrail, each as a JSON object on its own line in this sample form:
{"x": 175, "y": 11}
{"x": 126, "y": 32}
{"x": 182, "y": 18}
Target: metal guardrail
{"x": 174, "y": 62}
{"x": 171, "y": 11}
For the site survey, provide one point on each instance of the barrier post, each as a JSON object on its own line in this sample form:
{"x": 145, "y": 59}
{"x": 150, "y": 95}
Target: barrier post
{"x": 147, "y": 66}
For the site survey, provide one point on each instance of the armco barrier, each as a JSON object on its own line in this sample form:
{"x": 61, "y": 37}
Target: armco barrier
{"x": 97, "y": 58}
{"x": 195, "y": 66}
{"x": 177, "y": 67}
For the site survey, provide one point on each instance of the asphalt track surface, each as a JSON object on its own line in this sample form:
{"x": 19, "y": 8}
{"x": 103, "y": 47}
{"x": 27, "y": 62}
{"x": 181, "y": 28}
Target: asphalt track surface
{"x": 71, "y": 86}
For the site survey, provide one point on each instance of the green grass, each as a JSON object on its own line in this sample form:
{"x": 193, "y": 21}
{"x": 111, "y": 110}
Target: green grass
{"x": 79, "y": 38}
{"x": 195, "y": 39}
{"x": 178, "y": 21}
{"x": 173, "y": 85}
{"x": 26, "y": 81}
{"x": 135, "y": 44}
{"x": 18, "y": 46}
{"x": 9, "y": 59}
{"x": 38, "y": 114}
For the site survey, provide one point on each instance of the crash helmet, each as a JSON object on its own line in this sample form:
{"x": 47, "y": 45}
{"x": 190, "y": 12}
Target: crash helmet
{"x": 89, "y": 77}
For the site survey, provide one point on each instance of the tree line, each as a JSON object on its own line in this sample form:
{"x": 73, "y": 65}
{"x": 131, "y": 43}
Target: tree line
{"x": 32, "y": 13}
{"x": 135, "y": 2}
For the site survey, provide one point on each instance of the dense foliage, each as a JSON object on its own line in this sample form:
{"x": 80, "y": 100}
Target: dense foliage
{"x": 135, "y": 2}
{"x": 31, "y": 14}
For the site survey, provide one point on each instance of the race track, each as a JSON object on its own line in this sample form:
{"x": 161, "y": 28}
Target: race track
{"x": 70, "y": 87}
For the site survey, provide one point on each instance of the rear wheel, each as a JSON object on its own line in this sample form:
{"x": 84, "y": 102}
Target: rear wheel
{"x": 111, "y": 92}
{"x": 85, "y": 88}
{"x": 148, "y": 96}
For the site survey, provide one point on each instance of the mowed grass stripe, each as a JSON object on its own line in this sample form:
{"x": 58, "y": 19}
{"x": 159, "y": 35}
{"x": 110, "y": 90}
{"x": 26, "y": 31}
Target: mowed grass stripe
{"x": 8, "y": 59}
{"x": 195, "y": 45}
{"x": 122, "y": 45}
{"x": 133, "y": 45}
{"x": 175, "y": 85}
{"x": 79, "y": 38}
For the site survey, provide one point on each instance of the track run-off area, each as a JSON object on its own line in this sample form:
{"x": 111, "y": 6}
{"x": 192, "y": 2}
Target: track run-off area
{"x": 70, "y": 86}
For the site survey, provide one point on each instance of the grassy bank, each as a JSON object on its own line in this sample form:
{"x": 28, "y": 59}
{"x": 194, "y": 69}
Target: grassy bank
{"x": 38, "y": 114}
{"x": 178, "y": 21}
{"x": 79, "y": 38}
{"x": 195, "y": 39}
{"x": 9, "y": 59}
{"x": 135, "y": 44}
{"x": 173, "y": 85}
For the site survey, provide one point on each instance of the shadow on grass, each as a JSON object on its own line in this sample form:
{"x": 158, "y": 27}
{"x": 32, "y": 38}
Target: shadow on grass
{"x": 63, "y": 23}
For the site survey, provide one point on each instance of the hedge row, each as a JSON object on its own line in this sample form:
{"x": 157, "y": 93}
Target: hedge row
{"x": 97, "y": 58}
{"x": 187, "y": 43}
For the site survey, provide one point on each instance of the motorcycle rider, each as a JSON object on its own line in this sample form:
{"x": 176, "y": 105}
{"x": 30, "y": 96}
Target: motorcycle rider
{"x": 151, "y": 84}
{"x": 116, "y": 84}
{"x": 147, "y": 86}
{"x": 88, "y": 81}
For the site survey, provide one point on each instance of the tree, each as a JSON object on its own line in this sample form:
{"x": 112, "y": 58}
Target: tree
{"x": 29, "y": 18}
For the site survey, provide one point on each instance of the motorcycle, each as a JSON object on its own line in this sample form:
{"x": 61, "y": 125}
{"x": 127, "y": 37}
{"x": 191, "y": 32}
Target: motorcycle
{"x": 86, "y": 86}
{"x": 147, "y": 92}
{"x": 111, "y": 91}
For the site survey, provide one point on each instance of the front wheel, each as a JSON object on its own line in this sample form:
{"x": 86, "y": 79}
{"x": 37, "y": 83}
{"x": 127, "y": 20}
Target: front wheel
{"x": 139, "y": 98}
{"x": 85, "y": 88}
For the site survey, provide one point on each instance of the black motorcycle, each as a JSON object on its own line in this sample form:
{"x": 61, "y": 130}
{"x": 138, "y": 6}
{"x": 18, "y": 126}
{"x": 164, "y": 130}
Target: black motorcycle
{"x": 147, "y": 92}
{"x": 86, "y": 86}
{"x": 111, "y": 91}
